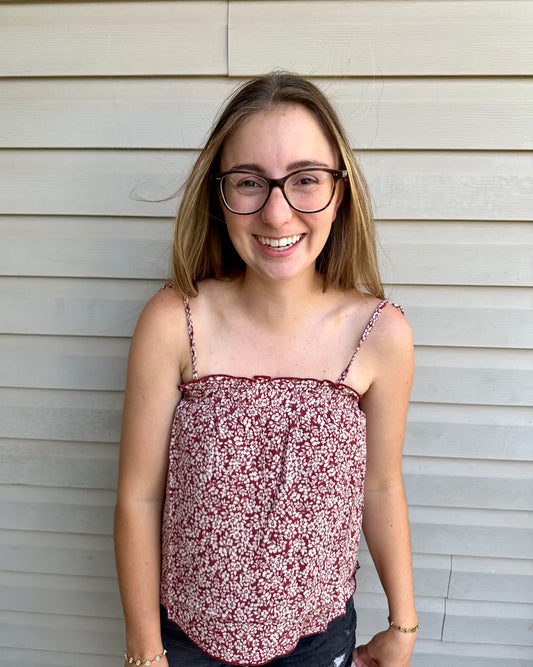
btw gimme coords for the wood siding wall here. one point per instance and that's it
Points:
(103, 104)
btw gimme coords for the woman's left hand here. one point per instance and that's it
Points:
(386, 649)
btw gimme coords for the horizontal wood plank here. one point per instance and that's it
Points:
(81, 416)
(443, 375)
(164, 112)
(62, 362)
(47, 463)
(414, 185)
(472, 654)
(88, 511)
(473, 376)
(75, 634)
(471, 532)
(468, 483)
(73, 307)
(98, 247)
(461, 431)
(469, 431)
(466, 619)
(113, 38)
(449, 186)
(383, 37)
(93, 596)
(160, 112)
(40, 658)
(412, 253)
(118, 183)
(437, 113)
(44, 593)
(446, 483)
(447, 253)
(435, 530)
(495, 579)
(466, 316)
(429, 481)
(439, 315)
(91, 557)
(57, 553)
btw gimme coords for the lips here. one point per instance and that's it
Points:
(281, 243)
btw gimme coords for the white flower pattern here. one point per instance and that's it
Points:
(263, 510)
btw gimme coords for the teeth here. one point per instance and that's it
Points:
(285, 242)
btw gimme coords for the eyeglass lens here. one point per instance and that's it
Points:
(307, 191)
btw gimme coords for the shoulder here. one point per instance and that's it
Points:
(391, 346)
(392, 324)
(384, 318)
(384, 330)
(394, 329)
(390, 340)
(163, 312)
(161, 330)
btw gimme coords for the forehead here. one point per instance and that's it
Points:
(285, 133)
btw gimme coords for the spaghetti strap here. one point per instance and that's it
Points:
(190, 329)
(371, 322)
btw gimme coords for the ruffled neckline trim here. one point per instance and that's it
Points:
(257, 379)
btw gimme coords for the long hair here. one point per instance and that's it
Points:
(201, 245)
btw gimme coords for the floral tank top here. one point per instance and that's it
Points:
(263, 509)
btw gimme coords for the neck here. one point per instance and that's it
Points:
(279, 301)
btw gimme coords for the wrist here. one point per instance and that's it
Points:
(403, 615)
(144, 659)
(403, 641)
(404, 629)
(143, 642)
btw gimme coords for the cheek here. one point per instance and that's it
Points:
(321, 225)
(235, 227)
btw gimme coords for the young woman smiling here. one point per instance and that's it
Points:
(265, 408)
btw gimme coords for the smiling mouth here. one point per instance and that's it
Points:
(280, 244)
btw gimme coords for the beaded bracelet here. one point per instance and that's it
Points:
(392, 624)
(136, 661)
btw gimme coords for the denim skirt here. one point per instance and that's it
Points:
(331, 648)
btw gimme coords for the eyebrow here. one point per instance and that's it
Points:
(293, 166)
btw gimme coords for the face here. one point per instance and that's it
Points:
(277, 242)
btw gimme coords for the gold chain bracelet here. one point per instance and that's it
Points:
(394, 625)
(137, 661)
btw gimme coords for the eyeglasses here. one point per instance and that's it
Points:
(306, 190)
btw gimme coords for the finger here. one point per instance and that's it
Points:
(361, 658)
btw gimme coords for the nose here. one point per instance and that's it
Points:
(276, 212)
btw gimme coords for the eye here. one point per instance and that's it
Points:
(305, 180)
(250, 183)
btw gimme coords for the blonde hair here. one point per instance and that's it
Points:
(201, 245)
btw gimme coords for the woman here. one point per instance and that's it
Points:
(250, 380)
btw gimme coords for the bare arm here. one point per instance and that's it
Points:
(385, 520)
(150, 400)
